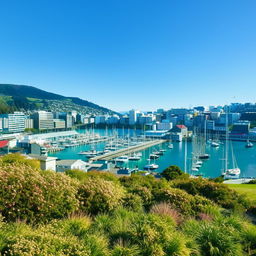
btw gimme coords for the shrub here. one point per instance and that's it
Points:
(18, 159)
(133, 202)
(218, 193)
(174, 172)
(182, 201)
(97, 195)
(214, 239)
(33, 195)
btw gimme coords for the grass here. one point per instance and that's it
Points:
(248, 189)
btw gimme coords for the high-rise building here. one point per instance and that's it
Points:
(133, 116)
(43, 120)
(13, 122)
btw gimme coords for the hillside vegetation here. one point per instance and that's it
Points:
(27, 98)
(99, 214)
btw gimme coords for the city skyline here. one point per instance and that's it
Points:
(123, 55)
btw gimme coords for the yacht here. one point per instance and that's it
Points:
(134, 157)
(215, 144)
(122, 159)
(153, 156)
(151, 167)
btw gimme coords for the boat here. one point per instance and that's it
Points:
(248, 144)
(234, 172)
(215, 144)
(204, 156)
(134, 157)
(153, 156)
(122, 159)
(151, 167)
(194, 169)
(159, 153)
(162, 150)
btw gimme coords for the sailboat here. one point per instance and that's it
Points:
(234, 172)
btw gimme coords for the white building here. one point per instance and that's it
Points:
(13, 122)
(64, 165)
(29, 123)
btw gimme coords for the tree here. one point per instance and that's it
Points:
(173, 172)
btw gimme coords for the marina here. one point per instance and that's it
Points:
(174, 154)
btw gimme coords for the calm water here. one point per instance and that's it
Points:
(246, 157)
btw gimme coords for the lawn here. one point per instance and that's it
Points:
(248, 189)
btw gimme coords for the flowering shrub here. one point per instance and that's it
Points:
(29, 194)
(218, 193)
(97, 195)
(182, 201)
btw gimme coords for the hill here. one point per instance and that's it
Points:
(29, 98)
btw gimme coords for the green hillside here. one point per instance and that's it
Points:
(28, 98)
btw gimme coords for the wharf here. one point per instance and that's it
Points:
(125, 151)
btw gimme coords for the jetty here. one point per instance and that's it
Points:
(125, 151)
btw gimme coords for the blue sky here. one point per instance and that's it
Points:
(140, 54)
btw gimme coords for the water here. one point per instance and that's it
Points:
(246, 157)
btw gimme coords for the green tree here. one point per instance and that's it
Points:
(173, 172)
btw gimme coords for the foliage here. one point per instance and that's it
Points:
(182, 201)
(252, 182)
(218, 193)
(32, 195)
(19, 159)
(47, 213)
(174, 172)
(98, 195)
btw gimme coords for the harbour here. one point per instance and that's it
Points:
(213, 167)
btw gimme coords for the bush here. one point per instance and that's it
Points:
(33, 195)
(218, 193)
(18, 159)
(174, 172)
(214, 239)
(97, 195)
(133, 202)
(182, 201)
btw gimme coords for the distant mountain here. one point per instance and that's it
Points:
(29, 98)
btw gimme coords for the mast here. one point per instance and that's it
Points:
(227, 142)
(185, 157)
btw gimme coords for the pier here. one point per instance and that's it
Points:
(125, 151)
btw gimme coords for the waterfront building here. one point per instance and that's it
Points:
(164, 125)
(69, 119)
(241, 127)
(13, 122)
(29, 123)
(64, 165)
(43, 120)
(180, 129)
(59, 124)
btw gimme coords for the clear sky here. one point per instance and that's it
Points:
(123, 54)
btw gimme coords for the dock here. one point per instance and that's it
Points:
(125, 151)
